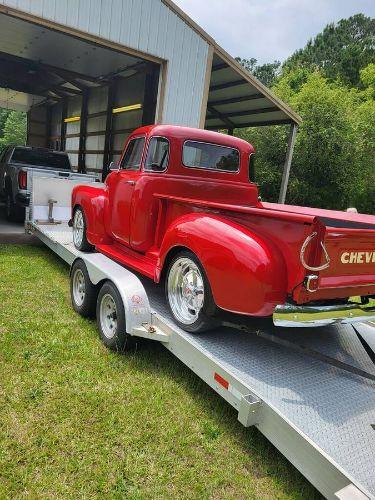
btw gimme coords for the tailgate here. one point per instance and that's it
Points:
(352, 253)
(351, 270)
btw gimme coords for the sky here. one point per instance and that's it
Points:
(269, 29)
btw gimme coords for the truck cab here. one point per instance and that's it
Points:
(170, 161)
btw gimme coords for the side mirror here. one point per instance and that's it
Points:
(113, 166)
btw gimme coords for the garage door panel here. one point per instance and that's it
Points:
(95, 143)
(94, 161)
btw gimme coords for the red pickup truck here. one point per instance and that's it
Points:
(182, 208)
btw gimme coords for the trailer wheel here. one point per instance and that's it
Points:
(79, 231)
(188, 293)
(83, 292)
(110, 316)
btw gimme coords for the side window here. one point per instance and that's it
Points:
(133, 154)
(157, 155)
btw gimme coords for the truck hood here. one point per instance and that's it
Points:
(332, 218)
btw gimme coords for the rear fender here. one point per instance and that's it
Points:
(247, 273)
(93, 200)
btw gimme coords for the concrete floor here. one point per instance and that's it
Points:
(14, 232)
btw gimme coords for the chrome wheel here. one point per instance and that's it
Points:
(79, 287)
(78, 228)
(185, 288)
(108, 316)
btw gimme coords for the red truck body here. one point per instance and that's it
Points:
(257, 256)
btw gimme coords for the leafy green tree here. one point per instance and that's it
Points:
(14, 130)
(364, 143)
(333, 163)
(340, 51)
(367, 76)
(267, 73)
(3, 117)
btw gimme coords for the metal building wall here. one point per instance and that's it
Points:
(145, 25)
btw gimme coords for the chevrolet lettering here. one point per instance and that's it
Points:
(358, 257)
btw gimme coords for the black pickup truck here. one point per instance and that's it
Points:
(15, 162)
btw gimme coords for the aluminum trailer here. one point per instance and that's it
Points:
(311, 392)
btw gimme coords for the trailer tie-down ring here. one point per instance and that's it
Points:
(302, 254)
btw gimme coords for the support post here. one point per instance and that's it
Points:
(82, 133)
(107, 153)
(288, 162)
(206, 90)
(64, 110)
(48, 126)
(150, 95)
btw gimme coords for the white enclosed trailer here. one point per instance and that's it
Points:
(311, 392)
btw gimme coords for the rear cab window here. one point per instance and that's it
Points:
(209, 156)
(40, 158)
(133, 155)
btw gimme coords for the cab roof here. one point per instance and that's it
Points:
(196, 134)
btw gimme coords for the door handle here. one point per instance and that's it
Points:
(132, 183)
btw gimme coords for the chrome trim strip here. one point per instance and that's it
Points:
(290, 315)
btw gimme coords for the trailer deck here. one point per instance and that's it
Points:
(311, 392)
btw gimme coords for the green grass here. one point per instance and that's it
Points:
(78, 421)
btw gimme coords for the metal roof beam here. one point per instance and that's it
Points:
(221, 117)
(270, 109)
(235, 100)
(66, 90)
(254, 124)
(227, 85)
(218, 67)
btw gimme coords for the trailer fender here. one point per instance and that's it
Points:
(247, 273)
(133, 295)
(93, 200)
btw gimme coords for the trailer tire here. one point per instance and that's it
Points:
(79, 231)
(203, 318)
(111, 320)
(83, 292)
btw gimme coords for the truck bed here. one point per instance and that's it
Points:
(330, 216)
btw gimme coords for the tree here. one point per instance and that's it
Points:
(333, 163)
(267, 73)
(340, 51)
(364, 143)
(3, 117)
(14, 130)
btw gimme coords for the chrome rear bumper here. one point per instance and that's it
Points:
(310, 316)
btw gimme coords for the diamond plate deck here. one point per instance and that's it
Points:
(333, 408)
